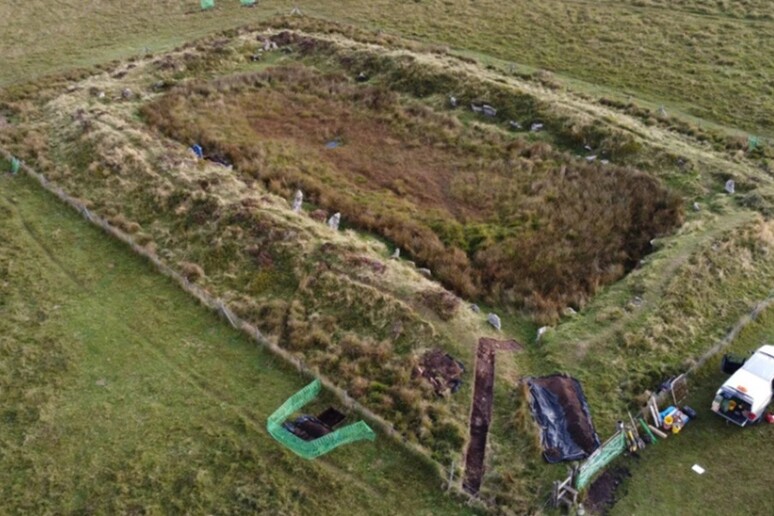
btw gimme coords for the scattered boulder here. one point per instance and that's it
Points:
(395, 254)
(489, 110)
(269, 45)
(334, 221)
(514, 125)
(453, 101)
(494, 320)
(476, 108)
(361, 77)
(126, 94)
(536, 127)
(591, 158)
(541, 331)
(425, 272)
(474, 307)
(569, 312)
(696, 206)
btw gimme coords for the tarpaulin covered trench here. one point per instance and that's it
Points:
(560, 409)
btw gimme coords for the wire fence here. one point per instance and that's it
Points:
(220, 307)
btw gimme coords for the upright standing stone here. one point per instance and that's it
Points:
(334, 221)
(730, 186)
(298, 201)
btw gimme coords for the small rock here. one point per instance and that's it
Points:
(101, 382)
(489, 110)
(541, 331)
(587, 147)
(126, 94)
(604, 161)
(569, 312)
(494, 320)
(475, 308)
(730, 186)
(395, 254)
(476, 108)
(101, 95)
(536, 127)
(452, 101)
(362, 77)
(591, 158)
(513, 124)
(696, 207)
(425, 272)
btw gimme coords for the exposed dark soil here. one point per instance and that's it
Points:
(579, 425)
(481, 415)
(442, 370)
(601, 496)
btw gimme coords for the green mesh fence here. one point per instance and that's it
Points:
(247, 3)
(207, 4)
(15, 165)
(597, 461)
(312, 449)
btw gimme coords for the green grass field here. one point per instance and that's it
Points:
(690, 63)
(121, 395)
(118, 394)
(737, 478)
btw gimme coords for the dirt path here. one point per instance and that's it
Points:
(481, 415)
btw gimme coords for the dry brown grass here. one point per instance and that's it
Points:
(491, 215)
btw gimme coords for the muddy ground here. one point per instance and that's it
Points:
(602, 493)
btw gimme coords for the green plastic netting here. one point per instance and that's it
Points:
(247, 3)
(597, 461)
(15, 165)
(207, 4)
(312, 449)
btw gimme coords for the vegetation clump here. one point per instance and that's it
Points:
(508, 219)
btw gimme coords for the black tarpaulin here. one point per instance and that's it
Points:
(560, 409)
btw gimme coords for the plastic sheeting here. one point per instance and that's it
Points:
(560, 409)
(322, 445)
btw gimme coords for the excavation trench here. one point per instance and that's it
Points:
(481, 414)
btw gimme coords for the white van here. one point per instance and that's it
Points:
(744, 397)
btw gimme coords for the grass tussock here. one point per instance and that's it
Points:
(493, 216)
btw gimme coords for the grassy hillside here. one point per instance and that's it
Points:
(334, 299)
(120, 394)
(690, 62)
